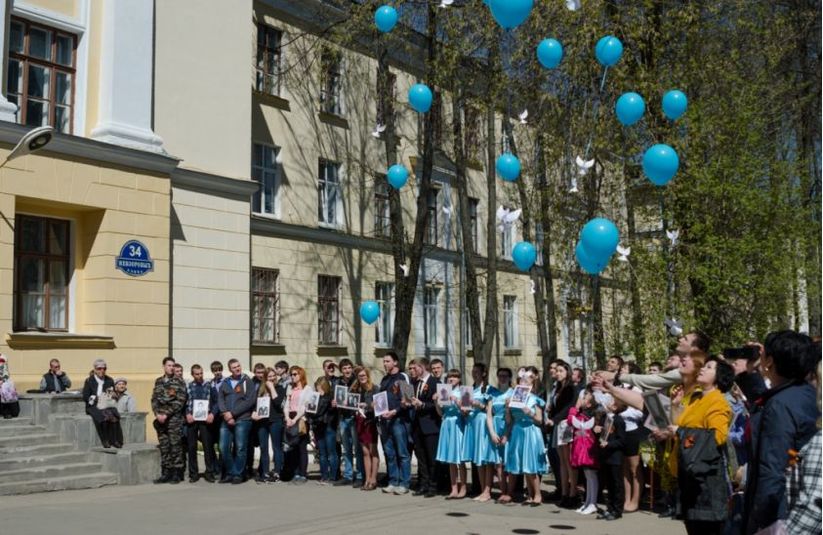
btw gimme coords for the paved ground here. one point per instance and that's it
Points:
(281, 508)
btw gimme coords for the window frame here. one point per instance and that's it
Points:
(431, 316)
(432, 236)
(268, 50)
(257, 305)
(384, 328)
(474, 221)
(382, 208)
(47, 257)
(331, 82)
(324, 188)
(510, 322)
(258, 197)
(324, 316)
(24, 59)
(507, 239)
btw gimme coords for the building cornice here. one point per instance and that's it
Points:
(215, 184)
(80, 147)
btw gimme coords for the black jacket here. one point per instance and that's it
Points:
(565, 400)
(326, 415)
(426, 419)
(612, 454)
(90, 389)
(752, 385)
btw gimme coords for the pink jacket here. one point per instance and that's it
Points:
(584, 444)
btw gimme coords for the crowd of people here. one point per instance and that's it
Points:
(732, 440)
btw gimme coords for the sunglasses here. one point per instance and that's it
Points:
(100, 368)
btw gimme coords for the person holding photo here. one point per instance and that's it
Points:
(366, 426)
(425, 427)
(611, 459)
(477, 445)
(324, 427)
(296, 432)
(199, 430)
(262, 424)
(277, 392)
(395, 427)
(564, 399)
(584, 452)
(450, 442)
(525, 450)
(496, 424)
(352, 454)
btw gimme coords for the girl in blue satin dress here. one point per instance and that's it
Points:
(525, 449)
(477, 446)
(450, 443)
(496, 424)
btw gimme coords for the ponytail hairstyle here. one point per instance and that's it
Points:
(482, 367)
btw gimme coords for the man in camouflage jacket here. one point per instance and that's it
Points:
(168, 400)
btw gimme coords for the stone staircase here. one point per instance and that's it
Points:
(34, 460)
(53, 446)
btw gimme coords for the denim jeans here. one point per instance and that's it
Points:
(263, 432)
(238, 434)
(276, 428)
(351, 450)
(396, 447)
(326, 438)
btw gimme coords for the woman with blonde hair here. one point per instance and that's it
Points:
(296, 436)
(366, 425)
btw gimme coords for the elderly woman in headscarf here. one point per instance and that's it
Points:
(98, 393)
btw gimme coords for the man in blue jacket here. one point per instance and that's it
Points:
(236, 399)
(394, 427)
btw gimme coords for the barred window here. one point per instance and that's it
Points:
(265, 306)
(328, 310)
(268, 59)
(42, 274)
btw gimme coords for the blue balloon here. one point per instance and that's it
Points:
(369, 311)
(510, 13)
(397, 176)
(674, 104)
(599, 238)
(629, 108)
(608, 50)
(385, 18)
(549, 53)
(587, 263)
(524, 255)
(508, 167)
(660, 163)
(420, 98)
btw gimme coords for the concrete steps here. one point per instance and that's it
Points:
(35, 460)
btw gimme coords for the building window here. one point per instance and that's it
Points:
(538, 238)
(467, 328)
(264, 172)
(41, 257)
(331, 82)
(473, 204)
(384, 294)
(382, 210)
(385, 106)
(507, 240)
(268, 60)
(265, 306)
(509, 321)
(431, 304)
(431, 219)
(472, 127)
(329, 194)
(328, 310)
(41, 74)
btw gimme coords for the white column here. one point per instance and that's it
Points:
(126, 75)
(8, 111)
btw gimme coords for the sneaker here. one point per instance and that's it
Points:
(589, 509)
(399, 491)
(237, 481)
(342, 483)
(389, 489)
(298, 480)
(580, 509)
(357, 484)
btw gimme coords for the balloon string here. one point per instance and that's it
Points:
(596, 112)
(508, 63)
(603, 81)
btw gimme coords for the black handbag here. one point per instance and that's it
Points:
(698, 454)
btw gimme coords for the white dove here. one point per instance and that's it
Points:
(624, 253)
(506, 217)
(674, 327)
(573, 189)
(673, 235)
(523, 116)
(445, 3)
(378, 129)
(405, 269)
(532, 287)
(572, 5)
(583, 166)
(447, 210)
(279, 158)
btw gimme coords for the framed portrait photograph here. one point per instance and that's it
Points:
(520, 396)
(263, 406)
(407, 391)
(466, 397)
(341, 392)
(352, 402)
(200, 409)
(444, 394)
(658, 406)
(313, 402)
(381, 403)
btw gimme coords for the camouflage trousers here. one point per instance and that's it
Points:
(172, 455)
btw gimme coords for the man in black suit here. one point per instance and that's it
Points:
(425, 427)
